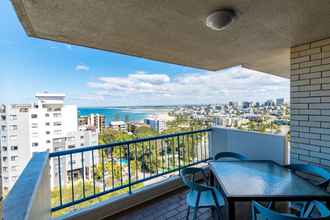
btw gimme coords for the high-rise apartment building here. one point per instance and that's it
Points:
(92, 121)
(25, 129)
(156, 123)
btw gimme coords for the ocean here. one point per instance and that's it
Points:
(133, 113)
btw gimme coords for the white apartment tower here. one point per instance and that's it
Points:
(25, 129)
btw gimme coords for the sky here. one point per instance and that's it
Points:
(91, 77)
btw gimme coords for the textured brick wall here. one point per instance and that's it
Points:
(310, 103)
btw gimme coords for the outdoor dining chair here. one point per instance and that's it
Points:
(200, 195)
(228, 155)
(315, 171)
(316, 210)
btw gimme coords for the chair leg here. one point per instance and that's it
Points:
(195, 213)
(188, 211)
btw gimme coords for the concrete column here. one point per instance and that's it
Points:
(310, 103)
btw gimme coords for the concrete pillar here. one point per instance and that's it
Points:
(310, 103)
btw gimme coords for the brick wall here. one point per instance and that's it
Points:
(310, 103)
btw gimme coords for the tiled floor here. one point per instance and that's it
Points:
(173, 206)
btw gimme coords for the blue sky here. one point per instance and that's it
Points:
(92, 77)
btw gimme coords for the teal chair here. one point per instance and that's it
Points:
(313, 170)
(200, 195)
(316, 210)
(229, 155)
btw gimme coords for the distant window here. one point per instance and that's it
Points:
(47, 115)
(3, 127)
(35, 144)
(13, 117)
(13, 148)
(47, 132)
(81, 137)
(82, 144)
(57, 109)
(48, 141)
(57, 123)
(23, 110)
(3, 138)
(13, 127)
(5, 169)
(57, 115)
(47, 123)
(34, 125)
(4, 148)
(71, 146)
(3, 117)
(4, 158)
(13, 158)
(34, 116)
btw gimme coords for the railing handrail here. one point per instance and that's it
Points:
(96, 147)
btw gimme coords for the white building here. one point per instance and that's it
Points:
(118, 125)
(92, 121)
(156, 123)
(25, 129)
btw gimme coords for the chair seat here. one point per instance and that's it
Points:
(206, 199)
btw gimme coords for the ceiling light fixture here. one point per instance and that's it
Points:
(220, 20)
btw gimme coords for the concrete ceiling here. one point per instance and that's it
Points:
(174, 30)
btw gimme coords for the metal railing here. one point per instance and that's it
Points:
(86, 173)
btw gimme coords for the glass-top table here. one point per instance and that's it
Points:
(262, 181)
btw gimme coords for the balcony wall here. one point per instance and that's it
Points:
(29, 199)
(254, 145)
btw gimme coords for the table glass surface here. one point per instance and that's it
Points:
(261, 178)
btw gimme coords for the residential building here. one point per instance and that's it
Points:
(92, 121)
(29, 128)
(118, 125)
(156, 123)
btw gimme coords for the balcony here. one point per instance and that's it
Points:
(136, 177)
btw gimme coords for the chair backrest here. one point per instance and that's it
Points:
(231, 155)
(313, 170)
(268, 214)
(189, 176)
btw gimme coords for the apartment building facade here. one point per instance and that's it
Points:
(92, 121)
(29, 128)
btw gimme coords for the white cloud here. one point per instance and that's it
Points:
(236, 83)
(82, 67)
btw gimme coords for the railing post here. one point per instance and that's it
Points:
(129, 169)
(179, 158)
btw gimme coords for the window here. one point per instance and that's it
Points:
(81, 137)
(35, 144)
(13, 158)
(13, 117)
(47, 132)
(3, 127)
(71, 146)
(48, 141)
(57, 109)
(5, 169)
(57, 115)
(13, 127)
(3, 138)
(13, 148)
(4, 148)
(47, 123)
(47, 115)
(34, 116)
(23, 110)
(34, 125)
(3, 117)
(13, 137)
(82, 144)
(57, 123)
(4, 158)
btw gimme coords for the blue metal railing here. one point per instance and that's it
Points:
(90, 172)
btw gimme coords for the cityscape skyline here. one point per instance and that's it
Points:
(95, 78)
